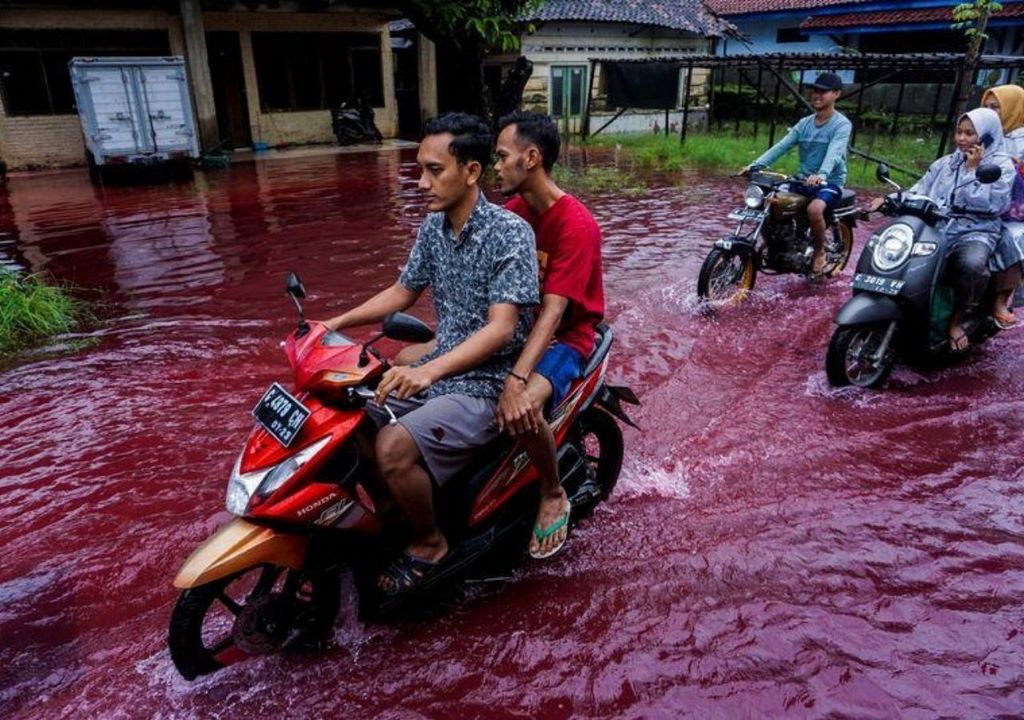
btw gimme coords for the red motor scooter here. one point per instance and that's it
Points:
(304, 500)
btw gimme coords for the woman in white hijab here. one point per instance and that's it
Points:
(974, 228)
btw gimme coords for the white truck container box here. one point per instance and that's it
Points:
(134, 110)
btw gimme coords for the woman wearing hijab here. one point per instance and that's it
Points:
(974, 227)
(1008, 101)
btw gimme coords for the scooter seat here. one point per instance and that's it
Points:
(847, 200)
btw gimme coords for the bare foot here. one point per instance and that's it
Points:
(958, 341)
(551, 511)
(818, 264)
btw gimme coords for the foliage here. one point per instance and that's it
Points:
(31, 310)
(726, 152)
(490, 25)
(971, 17)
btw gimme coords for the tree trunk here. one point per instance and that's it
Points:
(970, 74)
(510, 98)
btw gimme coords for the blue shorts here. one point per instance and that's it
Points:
(828, 193)
(560, 365)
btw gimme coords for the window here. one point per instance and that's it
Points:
(34, 64)
(790, 35)
(316, 71)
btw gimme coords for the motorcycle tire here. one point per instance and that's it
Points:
(857, 340)
(599, 440)
(193, 657)
(726, 277)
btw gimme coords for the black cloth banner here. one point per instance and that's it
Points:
(643, 85)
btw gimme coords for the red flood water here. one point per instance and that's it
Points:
(775, 548)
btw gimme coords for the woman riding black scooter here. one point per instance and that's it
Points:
(921, 282)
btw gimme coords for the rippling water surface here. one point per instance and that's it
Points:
(774, 548)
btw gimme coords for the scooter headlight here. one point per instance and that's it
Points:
(242, 487)
(753, 198)
(893, 247)
(280, 474)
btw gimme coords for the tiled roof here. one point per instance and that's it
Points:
(687, 15)
(730, 8)
(898, 17)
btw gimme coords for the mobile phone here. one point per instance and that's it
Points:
(986, 140)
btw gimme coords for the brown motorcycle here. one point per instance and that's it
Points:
(773, 236)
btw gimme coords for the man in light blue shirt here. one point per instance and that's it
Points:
(822, 140)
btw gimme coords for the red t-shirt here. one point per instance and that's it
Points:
(569, 258)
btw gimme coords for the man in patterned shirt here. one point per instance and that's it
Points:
(479, 261)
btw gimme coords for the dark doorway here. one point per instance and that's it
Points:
(229, 89)
(407, 86)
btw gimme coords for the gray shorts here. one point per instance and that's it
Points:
(448, 430)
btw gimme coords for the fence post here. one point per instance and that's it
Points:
(757, 101)
(686, 102)
(949, 112)
(739, 101)
(896, 113)
(775, 105)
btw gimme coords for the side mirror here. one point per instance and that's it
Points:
(294, 286)
(988, 174)
(406, 328)
(882, 172)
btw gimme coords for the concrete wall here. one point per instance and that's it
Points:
(577, 43)
(56, 140)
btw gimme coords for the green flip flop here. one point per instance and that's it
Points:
(542, 533)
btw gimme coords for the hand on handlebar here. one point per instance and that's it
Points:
(814, 180)
(403, 382)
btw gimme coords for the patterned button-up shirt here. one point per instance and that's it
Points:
(492, 261)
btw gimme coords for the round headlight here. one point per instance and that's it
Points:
(893, 247)
(753, 197)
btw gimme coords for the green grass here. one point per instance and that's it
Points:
(724, 151)
(32, 311)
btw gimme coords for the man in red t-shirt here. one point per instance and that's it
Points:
(572, 304)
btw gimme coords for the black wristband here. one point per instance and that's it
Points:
(518, 377)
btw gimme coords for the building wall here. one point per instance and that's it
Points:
(577, 43)
(28, 142)
(762, 32)
(56, 140)
(308, 126)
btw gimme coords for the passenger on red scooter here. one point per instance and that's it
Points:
(821, 140)
(480, 262)
(572, 304)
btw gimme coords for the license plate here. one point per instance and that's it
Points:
(886, 286)
(746, 214)
(280, 414)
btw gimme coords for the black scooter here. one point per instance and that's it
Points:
(902, 301)
(353, 123)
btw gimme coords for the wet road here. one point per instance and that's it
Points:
(774, 548)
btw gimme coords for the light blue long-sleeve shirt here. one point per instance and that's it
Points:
(822, 147)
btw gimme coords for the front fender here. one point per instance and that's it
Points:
(868, 308)
(238, 545)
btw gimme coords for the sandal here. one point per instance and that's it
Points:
(543, 533)
(1004, 320)
(405, 574)
(959, 343)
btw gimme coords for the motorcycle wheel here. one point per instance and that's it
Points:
(839, 249)
(225, 621)
(598, 439)
(848, 360)
(726, 277)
